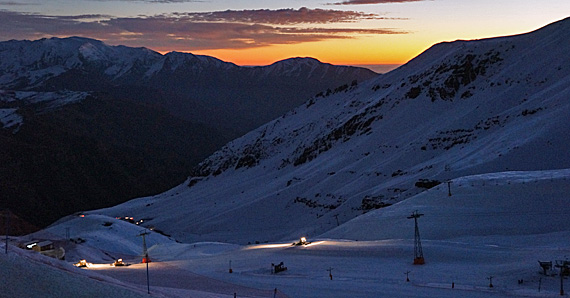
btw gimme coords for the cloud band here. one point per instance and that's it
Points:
(195, 31)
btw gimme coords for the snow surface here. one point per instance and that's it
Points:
(496, 224)
(43, 102)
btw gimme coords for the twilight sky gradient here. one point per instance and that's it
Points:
(353, 32)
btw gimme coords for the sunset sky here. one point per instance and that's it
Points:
(349, 32)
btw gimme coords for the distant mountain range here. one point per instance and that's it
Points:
(88, 125)
(460, 108)
(200, 89)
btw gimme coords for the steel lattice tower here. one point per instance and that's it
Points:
(418, 252)
(145, 259)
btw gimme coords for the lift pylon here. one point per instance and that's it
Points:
(145, 259)
(418, 252)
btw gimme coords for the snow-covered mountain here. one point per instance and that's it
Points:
(32, 64)
(196, 88)
(29, 64)
(80, 119)
(460, 108)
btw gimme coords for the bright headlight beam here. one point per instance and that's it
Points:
(314, 243)
(269, 246)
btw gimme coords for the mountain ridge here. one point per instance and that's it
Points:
(192, 87)
(56, 86)
(458, 109)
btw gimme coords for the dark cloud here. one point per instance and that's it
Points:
(192, 31)
(344, 31)
(357, 2)
(282, 16)
(12, 3)
(14, 25)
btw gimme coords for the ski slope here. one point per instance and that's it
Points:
(496, 224)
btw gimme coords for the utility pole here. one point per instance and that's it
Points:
(330, 272)
(7, 228)
(145, 258)
(490, 278)
(145, 252)
(449, 188)
(563, 265)
(561, 283)
(337, 223)
(418, 252)
(407, 277)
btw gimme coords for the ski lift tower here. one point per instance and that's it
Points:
(145, 259)
(418, 253)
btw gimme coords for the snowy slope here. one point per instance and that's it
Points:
(498, 207)
(44, 101)
(29, 274)
(495, 224)
(460, 108)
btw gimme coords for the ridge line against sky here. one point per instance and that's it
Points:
(351, 32)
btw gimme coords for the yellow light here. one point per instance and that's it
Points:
(82, 263)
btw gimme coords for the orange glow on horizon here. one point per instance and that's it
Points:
(338, 52)
(390, 49)
(269, 55)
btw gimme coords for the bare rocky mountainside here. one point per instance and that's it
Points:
(87, 125)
